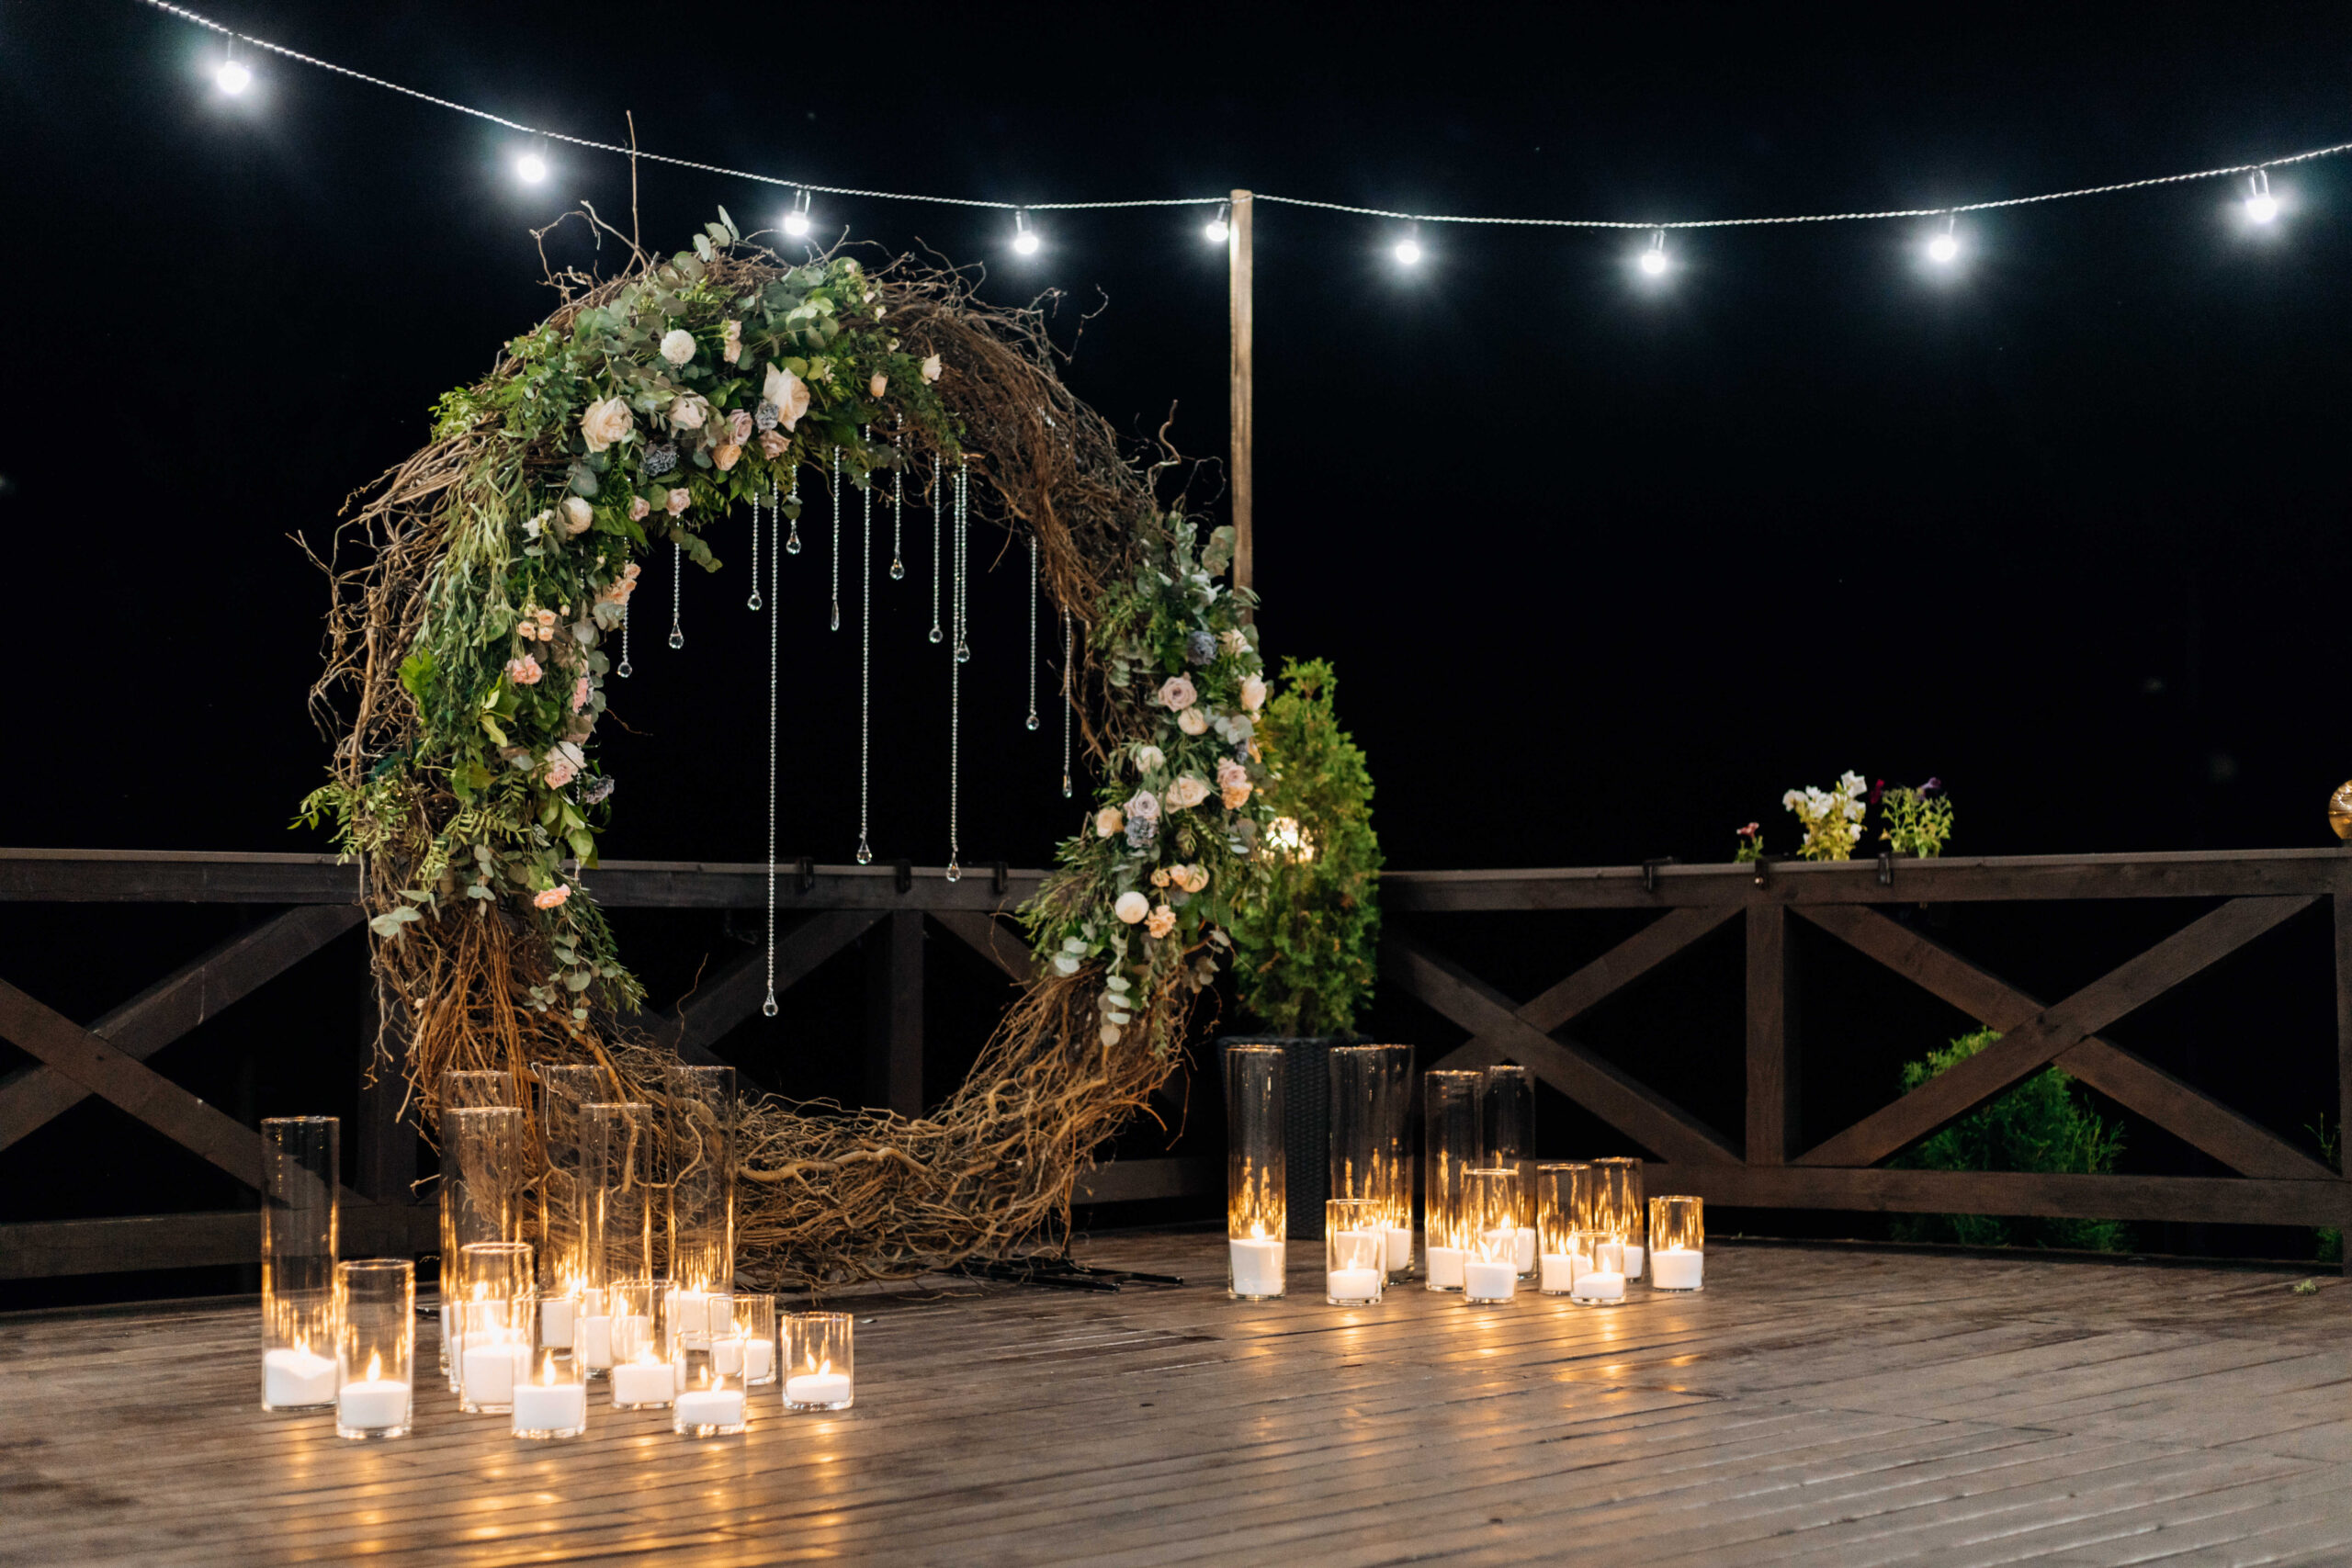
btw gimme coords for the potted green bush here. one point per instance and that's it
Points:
(1305, 953)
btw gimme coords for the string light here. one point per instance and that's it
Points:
(1944, 249)
(796, 222)
(1220, 228)
(234, 76)
(1655, 261)
(1409, 249)
(530, 168)
(2261, 206)
(1024, 238)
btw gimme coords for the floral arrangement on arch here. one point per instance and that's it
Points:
(1148, 889)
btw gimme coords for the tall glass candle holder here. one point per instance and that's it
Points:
(374, 1347)
(707, 1360)
(482, 1182)
(1618, 1206)
(1370, 1090)
(497, 1323)
(641, 1377)
(754, 1328)
(1450, 1112)
(1355, 1251)
(616, 1239)
(461, 1090)
(1490, 1249)
(819, 1361)
(564, 1092)
(299, 1173)
(700, 1145)
(1678, 1242)
(1509, 1139)
(1256, 1210)
(551, 1401)
(1394, 1112)
(1603, 1283)
(1563, 1200)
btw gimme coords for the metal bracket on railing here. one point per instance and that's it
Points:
(1763, 869)
(1649, 872)
(806, 877)
(1886, 868)
(903, 873)
(1001, 883)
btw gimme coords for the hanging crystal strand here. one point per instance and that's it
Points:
(1069, 706)
(954, 769)
(898, 506)
(837, 538)
(792, 545)
(865, 666)
(677, 580)
(752, 604)
(938, 483)
(961, 610)
(626, 669)
(775, 600)
(1033, 629)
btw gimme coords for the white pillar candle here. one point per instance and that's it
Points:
(593, 1332)
(489, 1372)
(727, 1357)
(689, 1309)
(1561, 1270)
(1677, 1269)
(1352, 1284)
(291, 1376)
(1523, 1250)
(816, 1388)
(551, 1407)
(759, 1359)
(1257, 1268)
(556, 1315)
(1488, 1281)
(642, 1382)
(372, 1403)
(1400, 1248)
(1598, 1286)
(1444, 1267)
(709, 1407)
(1632, 1262)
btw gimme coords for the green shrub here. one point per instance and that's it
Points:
(2039, 1125)
(1307, 952)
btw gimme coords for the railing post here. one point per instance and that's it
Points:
(1772, 1044)
(2343, 913)
(894, 1013)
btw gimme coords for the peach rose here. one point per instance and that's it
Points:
(1193, 721)
(1253, 691)
(581, 691)
(1192, 878)
(1160, 877)
(550, 899)
(932, 369)
(1233, 784)
(606, 423)
(731, 346)
(1132, 907)
(679, 501)
(774, 443)
(726, 456)
(688, 414)
(1187, 791)
(524, 671)
(1108, 822)
(637, 509)
(564, 763)
(788, 393)
(878, 384)
(1162, 921)
(1176, 692)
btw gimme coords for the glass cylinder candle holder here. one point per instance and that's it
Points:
(819, 1363)
(1562, 1197)
(564, 1092)
(1507, 1127)
(1394, 1111)
(1618, 1206)
(616, 1239)
(460, 1090)
(707, 1363)
(1256, 1205)
(482, 1182)
(756, 1330)
(1371, 1089)
(1678, 1242)
(374, 1347)
(298, 1183)
(1450, 1108)
(1355, 1251)
(1490, 1243)
(497, 1324)
(551, 1399)
(640, 1374)
(699, 1143)
(1603, 1282)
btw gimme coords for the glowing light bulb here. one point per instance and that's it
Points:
(1025, 239)
(1654, 261)
(1408, 252)
(2262, 206)
(530, 168)
(233, 76)
(796, 223)
(1943, 248)
(1218, 230)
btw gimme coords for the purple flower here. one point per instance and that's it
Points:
(1931, 787)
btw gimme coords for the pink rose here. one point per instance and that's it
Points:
(739, 427)
(726, 456)
(524, 671)
(774, 443)
(1176, 692)
(679, 501)
(564, 763)
(638, 507)
(550, 899)
(1162, 921)
(581, 690)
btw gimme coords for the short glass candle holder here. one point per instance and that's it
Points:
(1562, 1188)
(1490, 1254)
(592, 1331)
(819, 1362)
(1355, 1251)
(1563, 1263)
(374, 1347)
(1677, 1238)
(297, 1246)
(1256, 1201)
(1618, 1207)
(1603, 1283)
(550, 1396)
(641, 1377)
(707, 1364)
(497, 1324)
(754, 1332)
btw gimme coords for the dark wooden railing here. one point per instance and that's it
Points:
(1764, 1166)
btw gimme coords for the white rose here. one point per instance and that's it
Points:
(1187, 791)
(1149, 759)
(688, 413)
(678, 345)
(577, 515)
(788, 393)
(1253, 693)
(932, 369)
(878, 384)
(1132, 907)
(1193, 721)
(606, 423)
(532, 529)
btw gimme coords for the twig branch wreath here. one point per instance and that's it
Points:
(466, 669)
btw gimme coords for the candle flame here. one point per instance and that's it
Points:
(375, 1366)
(547, 1368)
(646, 1357)
(826, 1368)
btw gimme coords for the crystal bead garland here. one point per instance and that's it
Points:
(677, 582)
(752, 604)
(1069, 706)
(938, 483)
(1033, 631)
(864, 664)
(837, 538)
(626, 669)
(792, 544)
(899, 506)
(962, 547)
(776, 599)
(956, 691)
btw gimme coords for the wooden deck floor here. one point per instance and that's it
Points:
(1809, 1407)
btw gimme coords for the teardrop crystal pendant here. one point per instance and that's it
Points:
(864, 855)
(768, 1006)
(1032, 721)
(792, 544)
(897, 570)
(963, 653)
(837, 617)
(936, 634)
(626, 669)
(754, 602)
(954, 872)
(677, 637)
(1065, 786)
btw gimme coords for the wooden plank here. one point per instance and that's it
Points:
(1620, 965)
(48, 1249)
(2342, 905)
(1134, 1180)
(176, 1004)
(2218, 1200)
(2054, 1029)
(1634, 1108)
(1241, 228)
(1772, 1071)
(2244, 1145)
(716, 1006)
(991, 939)
(701, 885)
(894, 1013)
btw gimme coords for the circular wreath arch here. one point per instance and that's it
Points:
(466, 670)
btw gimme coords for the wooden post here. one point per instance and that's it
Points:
(1771, 1047)
(1244, 348)
(2343, 911)
(894, 1013)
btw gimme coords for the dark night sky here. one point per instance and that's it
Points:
(1604, 573)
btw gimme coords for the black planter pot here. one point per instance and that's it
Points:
(1307, 1122)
